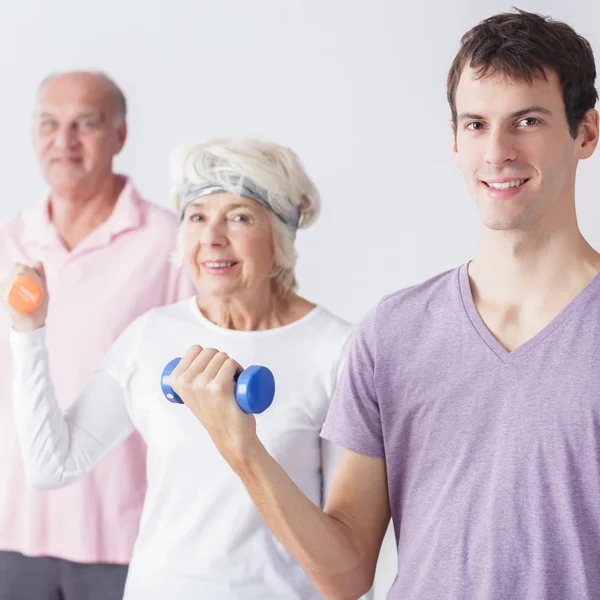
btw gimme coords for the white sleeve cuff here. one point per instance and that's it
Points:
(22, 341)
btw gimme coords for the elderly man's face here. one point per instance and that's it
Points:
(75, 134)
(228, 245)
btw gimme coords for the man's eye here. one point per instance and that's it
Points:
(48, 124)
(529, 121)
(195, 218)
(475, 126)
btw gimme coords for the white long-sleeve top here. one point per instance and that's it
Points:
(200, 535)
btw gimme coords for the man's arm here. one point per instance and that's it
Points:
(338, 547)
(330, 458)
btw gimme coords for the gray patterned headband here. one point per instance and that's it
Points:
(243, 187)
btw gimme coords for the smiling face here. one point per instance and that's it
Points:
(228, 245)
(75, 135)
(514, 147)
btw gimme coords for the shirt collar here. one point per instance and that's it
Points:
(128, 213)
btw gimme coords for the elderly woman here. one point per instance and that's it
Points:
(240, 203)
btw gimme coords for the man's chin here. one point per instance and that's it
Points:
(65, 181)
(506, 222)
(507, 216)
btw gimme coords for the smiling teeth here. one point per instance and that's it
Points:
(507, 184)
(219, 265)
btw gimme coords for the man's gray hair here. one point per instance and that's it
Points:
(118, 97)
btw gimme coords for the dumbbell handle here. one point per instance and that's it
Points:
(254, 390)
(25, 294)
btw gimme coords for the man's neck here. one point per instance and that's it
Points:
(516, 266)
(75, 215)
(521, 281)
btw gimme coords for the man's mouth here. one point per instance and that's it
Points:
(504, 185)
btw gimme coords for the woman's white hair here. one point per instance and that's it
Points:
(274, 168)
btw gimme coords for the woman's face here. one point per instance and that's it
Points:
(227, 244)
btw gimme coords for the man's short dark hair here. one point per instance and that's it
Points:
(524, 46)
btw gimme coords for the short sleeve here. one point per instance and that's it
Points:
(354, 419)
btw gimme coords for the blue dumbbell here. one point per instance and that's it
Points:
(254, 390)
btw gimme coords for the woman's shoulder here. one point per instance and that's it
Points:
(335, 324)
(180, 310)
(169, 317)
(321, 323)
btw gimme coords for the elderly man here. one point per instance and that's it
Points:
(106, 252)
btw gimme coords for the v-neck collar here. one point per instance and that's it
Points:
(501, 352)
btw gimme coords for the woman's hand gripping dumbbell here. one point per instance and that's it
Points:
(254, 387)
(25, 296)
(207, 381)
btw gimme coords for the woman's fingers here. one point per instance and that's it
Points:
(38, 267)
(184, 364)
(229, 368)
(206, 385)
(197, 365)
(201, 365)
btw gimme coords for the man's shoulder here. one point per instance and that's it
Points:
(158, 215)
(157, 226)
(15, 221)
(437, 289)
(12, 227)
(412, 307)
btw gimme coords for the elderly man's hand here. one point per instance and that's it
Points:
(26, 321)
(204, 380)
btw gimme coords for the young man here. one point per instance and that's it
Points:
(470, 404)
(106, 253)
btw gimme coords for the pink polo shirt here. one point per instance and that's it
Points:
(118, 272)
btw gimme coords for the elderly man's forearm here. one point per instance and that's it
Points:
(326, 547)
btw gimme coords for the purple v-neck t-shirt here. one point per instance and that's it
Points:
(493, 457)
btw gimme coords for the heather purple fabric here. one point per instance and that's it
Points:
(493, 457)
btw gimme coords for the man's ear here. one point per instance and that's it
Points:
(454, 143)
(588, 131)
(121, 135)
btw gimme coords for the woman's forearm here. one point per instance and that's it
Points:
(58, 447)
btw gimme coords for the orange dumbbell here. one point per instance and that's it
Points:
(25, 294)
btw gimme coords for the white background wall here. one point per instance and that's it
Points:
(357, 88)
